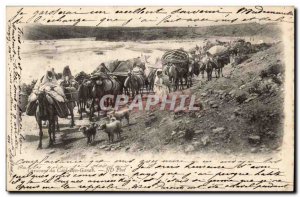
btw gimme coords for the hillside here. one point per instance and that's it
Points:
(241, 112)
(43, 32)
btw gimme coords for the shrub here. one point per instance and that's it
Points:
(241, 97)
(189, 134)
(275, 69)
(265, 120)
(263, 74)
(272, 70)
(255, 88)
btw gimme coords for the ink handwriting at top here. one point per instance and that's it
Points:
(19, 13)
(260, 10)
(200, 11)
(141, 11)
(151, 16)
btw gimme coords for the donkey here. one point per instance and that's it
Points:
(84, 94)
(71, 95)
(149, 82)
(135, 83)
(209, 66)
(219, 63)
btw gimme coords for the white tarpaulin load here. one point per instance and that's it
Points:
(50, 85)
(54, 94)
(217, 50)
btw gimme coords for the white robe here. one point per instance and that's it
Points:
(160, 88)
(51, 86)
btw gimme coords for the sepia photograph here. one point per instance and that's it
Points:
(150, 98)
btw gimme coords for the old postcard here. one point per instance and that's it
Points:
(185, 99)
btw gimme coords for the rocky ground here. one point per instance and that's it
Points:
(241, 112)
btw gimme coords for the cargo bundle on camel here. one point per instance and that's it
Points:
(176, 66)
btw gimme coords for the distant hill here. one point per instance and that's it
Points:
(46, 32)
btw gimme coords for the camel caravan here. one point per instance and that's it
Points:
(57, 94)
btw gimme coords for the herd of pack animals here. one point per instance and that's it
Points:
(127, 77)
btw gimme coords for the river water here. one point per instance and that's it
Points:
(86, 54)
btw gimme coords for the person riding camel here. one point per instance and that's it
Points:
(102, 68)
(101, 72)
(67, 77)
(138, 71)
(47, 83)
(198, 51)
(207, 57)
(68, 83)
